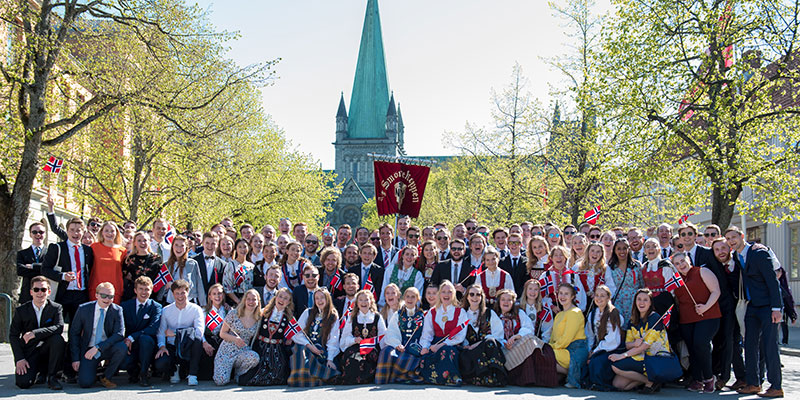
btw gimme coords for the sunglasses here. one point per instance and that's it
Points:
(710, 234)
(310, 275)
(441, 238)
(312, 241)
(594, 236)
(486, 234)
(473, 294)
(413, 236)
(471, 228)
(327, 234)
(105, 296)
(456, 249)
(554, 235)
(684, 234)
(93, 224)
(536, 233)
(37, 232)
(568, 233)
(374, 239)
(515, 242)
(42, 289)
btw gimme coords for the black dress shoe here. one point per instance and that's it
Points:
(144, 381)
(72, 379)
(54, 384)
(41, 378)
(133, 378)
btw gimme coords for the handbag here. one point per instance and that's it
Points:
(741, 305)
(663, 367)
(184, 340)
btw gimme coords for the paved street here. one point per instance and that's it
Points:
(207, 390)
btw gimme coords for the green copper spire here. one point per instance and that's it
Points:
(370, 98)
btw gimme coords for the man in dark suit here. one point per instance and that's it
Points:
(701, 256)
(369, 270)
(142, 319)
(455, 270)
(29, 261)
(211, 267)
(514, 259)
(35, 337)
(303, 295)
(350, 286)
(95, 335)
(69, 263)
(442, 238)
(763, 313)
(386, 252)
(270, 289)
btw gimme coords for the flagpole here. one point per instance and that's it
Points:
(659, 320)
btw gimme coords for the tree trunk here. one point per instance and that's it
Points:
(723, 203)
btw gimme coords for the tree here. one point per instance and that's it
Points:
(705, 94)
(59, 82)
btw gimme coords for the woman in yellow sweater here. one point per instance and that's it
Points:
(568, 338)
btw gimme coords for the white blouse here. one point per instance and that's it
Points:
(332, 345)
(613, 334)
(393, 336)
(495, 325)
(533, 315)
(427, 327)
(347, 339)
(493, 279)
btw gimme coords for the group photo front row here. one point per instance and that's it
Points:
(539, 305)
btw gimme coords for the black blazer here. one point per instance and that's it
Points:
(375, 272)
(300, 299)
(24, 320)
(144, 323)
(443, 271)
(81, 329)
(703, 256)
(727, 300)
(51, 263)
(506, 265)
(339, 304)
(379, 258)
(760, 281)
(60, 233)
(205, 280)
(25, 257)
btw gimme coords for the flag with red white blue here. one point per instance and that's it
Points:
(592, 215)
(546, 315)
(53, 165)
(345, 315)
(458, 329)
(684, 218)
(170, 236)
(213, 320)
(292, 329)
(674, 283)
(667, 316)
(369, 286)
(239, 275)
(367, 345)
(164, 278)
(547, 285)
(336, 281)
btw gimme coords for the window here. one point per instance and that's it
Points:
(794, 252)
(757, 234)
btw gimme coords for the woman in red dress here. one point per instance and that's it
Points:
(108, 255)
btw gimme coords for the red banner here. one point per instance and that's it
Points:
(399, 187)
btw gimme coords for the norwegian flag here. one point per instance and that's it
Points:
(164, 278)
(213, 320)
(674, 283)
(238, 275)
(592, 215)
(546, 315)
(684, 218)
(547, 285)
(369, 286)
(345, 315)
(170, 236)
(336, 281)
(421, 320)
(367, 345)
(458, 329)
(53, 165)
(476, 271)
(292, 329)
(667, 316)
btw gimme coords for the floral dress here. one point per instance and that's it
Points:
(270, 344)
(484, 364)
(405, 328)
(136, 266)
(623, 285)
(442, 326)
(231, 357)
(232, 282)
(360, 368)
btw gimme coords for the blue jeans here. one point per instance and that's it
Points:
(578, 354)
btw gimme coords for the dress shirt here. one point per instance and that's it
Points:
(493, 279)
(73, 285)
(364, 273)
(455, 271)
(38, 311)
(613, 334)
(174, 318)
(103, 337)
(533, 315)
(269, 294)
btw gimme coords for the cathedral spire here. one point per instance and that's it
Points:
(342, 109)
(370, 97)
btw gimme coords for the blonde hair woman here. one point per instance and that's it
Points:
(442, 330)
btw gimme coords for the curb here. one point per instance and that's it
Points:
(788, 351)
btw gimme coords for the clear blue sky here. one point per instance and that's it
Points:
(443, 58)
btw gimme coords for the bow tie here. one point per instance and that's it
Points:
(209, 257)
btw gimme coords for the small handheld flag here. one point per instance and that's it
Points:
(213, 320)
(336, 281)
(164, 278)
(368, 285)
(458, 329)
(292, 329)
(674, 283)
(667, 316)
(367, 345)
(547, 285)
(170, 236)
(684, 218)
(53, 165)
(345, 315)
(546, 315)
(592, 215)
(238, 275)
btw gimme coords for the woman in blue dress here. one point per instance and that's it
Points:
(314, 350)
(442, 331)
(623, 277)
(400, 355)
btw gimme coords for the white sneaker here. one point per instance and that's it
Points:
(175, 378)
(192, 380)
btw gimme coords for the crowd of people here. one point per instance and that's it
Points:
(529, 305)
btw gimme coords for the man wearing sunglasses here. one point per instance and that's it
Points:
(303, 295)
(442, 238)
(310, 249)
(96, 334)
(35, 337)
(710, 233)
(701, 256)
(29, 260)
(455, 270)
